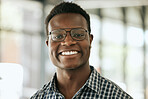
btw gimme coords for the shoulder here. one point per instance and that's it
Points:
(105, 87)
(110, 89)
(41, 92)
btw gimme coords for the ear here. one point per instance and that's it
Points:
(91, 38)
(46, 42)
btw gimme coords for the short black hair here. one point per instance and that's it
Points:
(67, 7)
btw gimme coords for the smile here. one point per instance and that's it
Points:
(69, 52)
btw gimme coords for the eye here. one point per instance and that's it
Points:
(59, 36)
(78, 35)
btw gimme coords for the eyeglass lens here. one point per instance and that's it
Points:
(76, 34)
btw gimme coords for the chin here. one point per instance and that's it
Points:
(70, 67)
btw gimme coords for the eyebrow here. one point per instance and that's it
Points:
(70, 28)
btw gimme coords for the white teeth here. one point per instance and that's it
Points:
(69, 53)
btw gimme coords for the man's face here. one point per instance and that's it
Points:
(69, 54)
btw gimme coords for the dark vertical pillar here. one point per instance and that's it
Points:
(0, 28)
(42, 66)
(125, 43)
(143, 16)
(101, 40)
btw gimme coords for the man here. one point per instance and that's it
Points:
(69, 42)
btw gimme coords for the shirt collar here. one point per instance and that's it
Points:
(52, 84)
(93, 81)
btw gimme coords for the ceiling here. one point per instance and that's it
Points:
(91, 4)
(88, 4)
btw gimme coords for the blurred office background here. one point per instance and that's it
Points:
(119, 51)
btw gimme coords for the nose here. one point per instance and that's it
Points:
(68, 41)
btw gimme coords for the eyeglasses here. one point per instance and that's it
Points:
(77, 34)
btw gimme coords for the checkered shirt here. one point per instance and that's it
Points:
(96, 87)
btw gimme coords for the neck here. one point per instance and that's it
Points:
(70, 81)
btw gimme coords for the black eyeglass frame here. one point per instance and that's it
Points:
(86, 31)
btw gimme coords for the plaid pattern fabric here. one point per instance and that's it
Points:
(96, 87)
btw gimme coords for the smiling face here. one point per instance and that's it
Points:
(69, 54)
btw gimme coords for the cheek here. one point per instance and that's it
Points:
(86, 47)
(52, 55)
(53, 47)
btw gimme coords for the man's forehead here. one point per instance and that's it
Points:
(67, 19)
